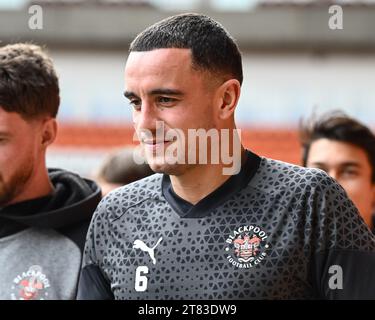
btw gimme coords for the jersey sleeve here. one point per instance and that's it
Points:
(342, 247)
(93, 283)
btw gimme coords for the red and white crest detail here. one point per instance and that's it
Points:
(30, 285)
(246, 246)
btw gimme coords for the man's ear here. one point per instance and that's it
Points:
(228, 94)
(49, 131)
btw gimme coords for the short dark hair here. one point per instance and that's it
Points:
(337, 126)
(213, 49)
(28, 82)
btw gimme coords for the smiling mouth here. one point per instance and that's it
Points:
(158, 142)
(156, 146)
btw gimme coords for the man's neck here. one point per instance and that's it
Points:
(200, 181)
(36, 187)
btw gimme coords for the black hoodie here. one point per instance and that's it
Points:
(42, 240)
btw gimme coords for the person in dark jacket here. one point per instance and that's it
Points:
(44, 213)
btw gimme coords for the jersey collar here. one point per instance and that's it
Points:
(234, 184)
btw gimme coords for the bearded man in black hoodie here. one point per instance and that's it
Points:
(44, 213)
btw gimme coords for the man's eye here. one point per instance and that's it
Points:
(350, 172)
(136, 104)
(3, 140)
(166, 101)
(321, 168)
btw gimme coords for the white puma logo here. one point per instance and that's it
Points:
(139, 244)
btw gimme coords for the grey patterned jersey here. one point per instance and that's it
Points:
(274, 231)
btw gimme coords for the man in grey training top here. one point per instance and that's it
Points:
(205, 227)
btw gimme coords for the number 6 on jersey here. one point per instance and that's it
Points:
(140, 279)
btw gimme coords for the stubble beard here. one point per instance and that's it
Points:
(12, 188)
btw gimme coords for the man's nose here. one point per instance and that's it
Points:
(147, 117)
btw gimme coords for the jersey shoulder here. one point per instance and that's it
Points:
(119, 200)
(274, 177)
